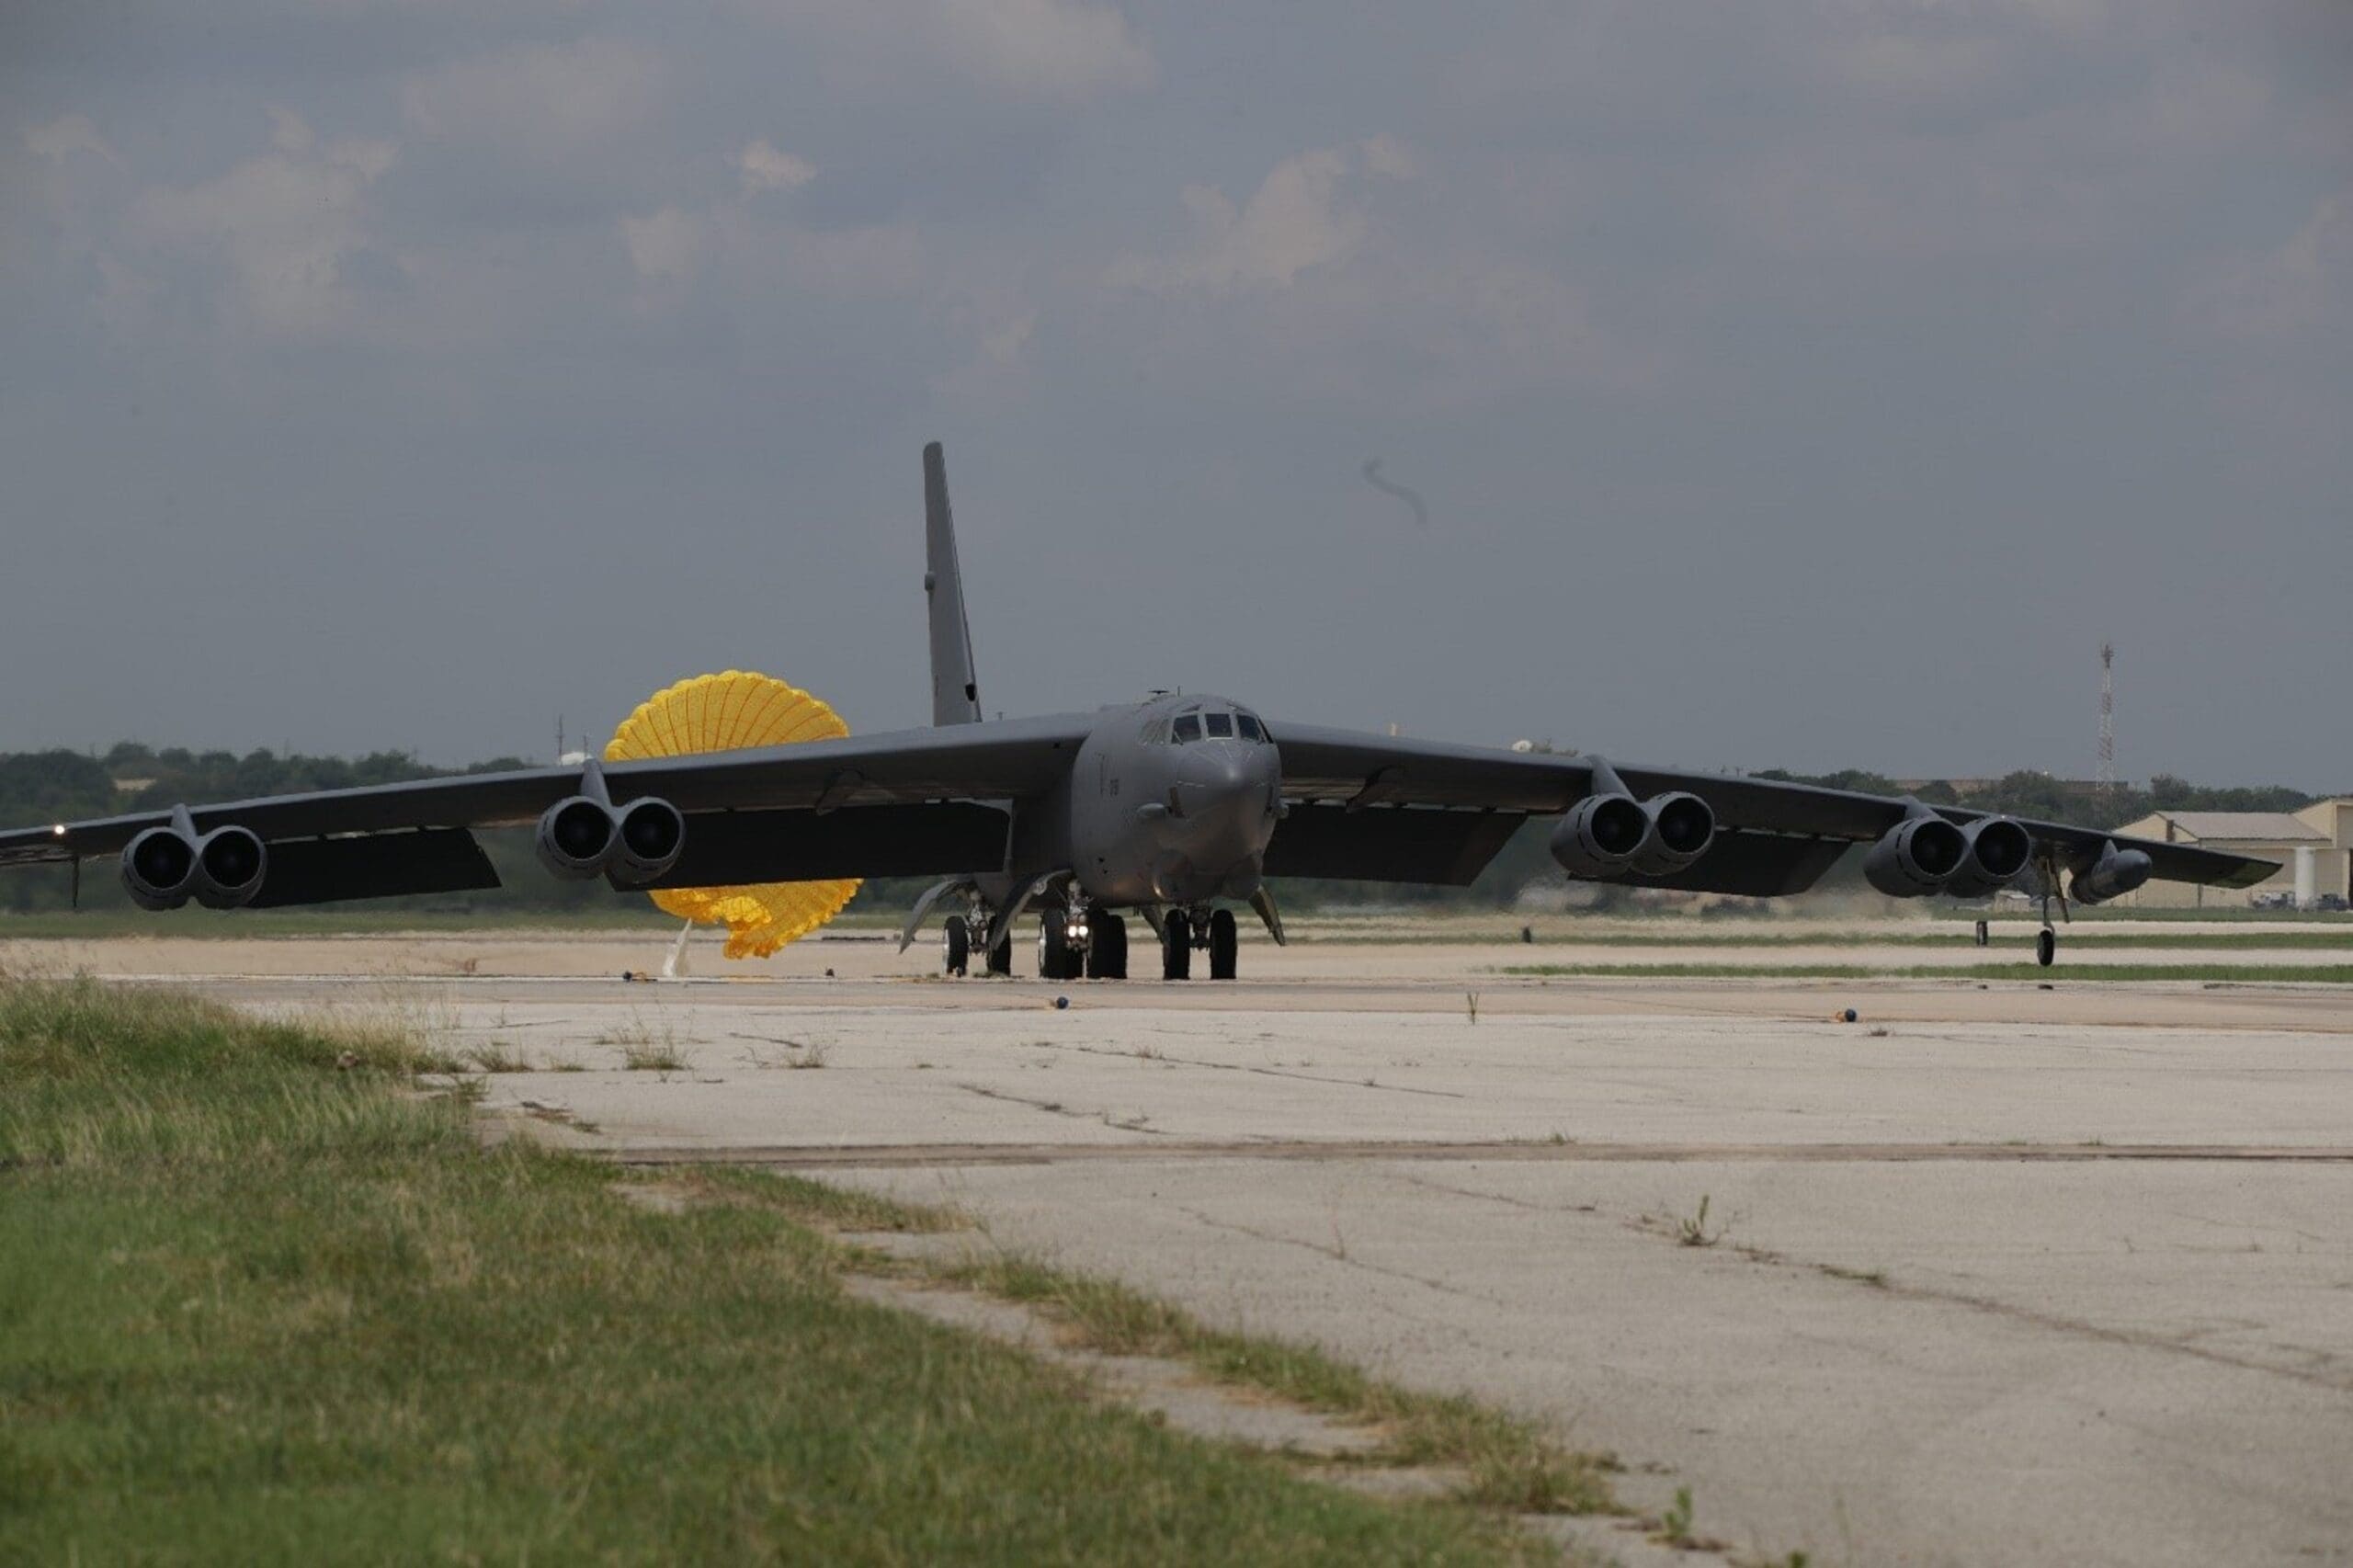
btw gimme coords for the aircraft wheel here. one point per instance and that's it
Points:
(2046, 947)
(1054, 952)
(1225, 944)
(1107, 947)
(1001, 956)
(1175, 946)
(957, 941)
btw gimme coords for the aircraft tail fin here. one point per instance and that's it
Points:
(955, 690)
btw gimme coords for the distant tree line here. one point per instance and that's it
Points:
(62, 786)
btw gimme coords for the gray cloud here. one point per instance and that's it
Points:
(1808, 384)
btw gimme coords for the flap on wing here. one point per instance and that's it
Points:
(384, 865)
(1749, 865)
(734, 848)
(1389, 844)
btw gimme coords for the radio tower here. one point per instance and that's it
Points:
(2106, 719)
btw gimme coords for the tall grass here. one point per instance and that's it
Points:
(264, 1299)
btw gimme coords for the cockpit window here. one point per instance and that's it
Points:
(1189, 726)
(1221, 724)
(1246, 726)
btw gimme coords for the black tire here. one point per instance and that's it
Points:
(1107, 945)
(1054, 953)
(1225, 944)
(1001, 956)
(958, 941)
(2046, 947)
(1175, 946)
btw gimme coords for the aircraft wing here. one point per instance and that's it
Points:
(1774, 838)
(910, 796)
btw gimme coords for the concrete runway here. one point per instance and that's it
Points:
(1994, 1275)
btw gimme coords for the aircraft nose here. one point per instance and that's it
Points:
(1228, 786)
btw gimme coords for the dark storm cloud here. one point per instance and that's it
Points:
(1810, 384)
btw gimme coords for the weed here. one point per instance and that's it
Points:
(495, 1059)
(1470, 1000)
(1675, 1524)
(652, 1059)
(813, 1057)
(1693, 1231)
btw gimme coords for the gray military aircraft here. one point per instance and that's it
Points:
(1165, 807)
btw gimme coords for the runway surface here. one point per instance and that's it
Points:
(1995, 1274)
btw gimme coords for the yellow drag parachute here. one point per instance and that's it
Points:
(728, 712)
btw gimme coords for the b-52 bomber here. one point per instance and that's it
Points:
(1177, 808)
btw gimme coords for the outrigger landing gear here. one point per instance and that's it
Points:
(2046, 946)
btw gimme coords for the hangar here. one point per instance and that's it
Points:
(2314, 847)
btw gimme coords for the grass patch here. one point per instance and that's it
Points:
(2220, 974)
(254, 1306)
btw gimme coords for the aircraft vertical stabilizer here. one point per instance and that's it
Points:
(955, 691)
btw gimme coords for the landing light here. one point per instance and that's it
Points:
(59, 830)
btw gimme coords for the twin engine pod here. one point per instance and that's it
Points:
(166, 866)
(633, 844)
(1924, 855)
(1615, 834)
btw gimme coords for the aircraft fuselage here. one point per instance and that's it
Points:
(1169, 801)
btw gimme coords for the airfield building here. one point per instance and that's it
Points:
(2314, 847)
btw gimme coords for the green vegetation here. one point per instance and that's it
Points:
(261, 1299)
(2240, 974)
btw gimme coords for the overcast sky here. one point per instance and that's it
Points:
(1797, 383)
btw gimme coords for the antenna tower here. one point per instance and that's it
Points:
(2106, 718)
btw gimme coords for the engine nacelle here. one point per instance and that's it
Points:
(1681, 828)
(576, 838)
(164, 868)
(2114, 874)
(1916, 857)
(160, 870)
(1600, 834)
(581, 837)
(230, 864)
(647, 841)
(1999, 849)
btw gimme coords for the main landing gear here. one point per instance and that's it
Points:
(1213, 930)
(960, 935)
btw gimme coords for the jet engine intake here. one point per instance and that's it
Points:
(230, 863)
(2114, 874)
(576, 838)
(1917, 856)
(159, 869)
(581, 837)
(1999, 849)
(1600, 834)
(164, 868)
(1615, 834)
(646, 842)
(1681, 828)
